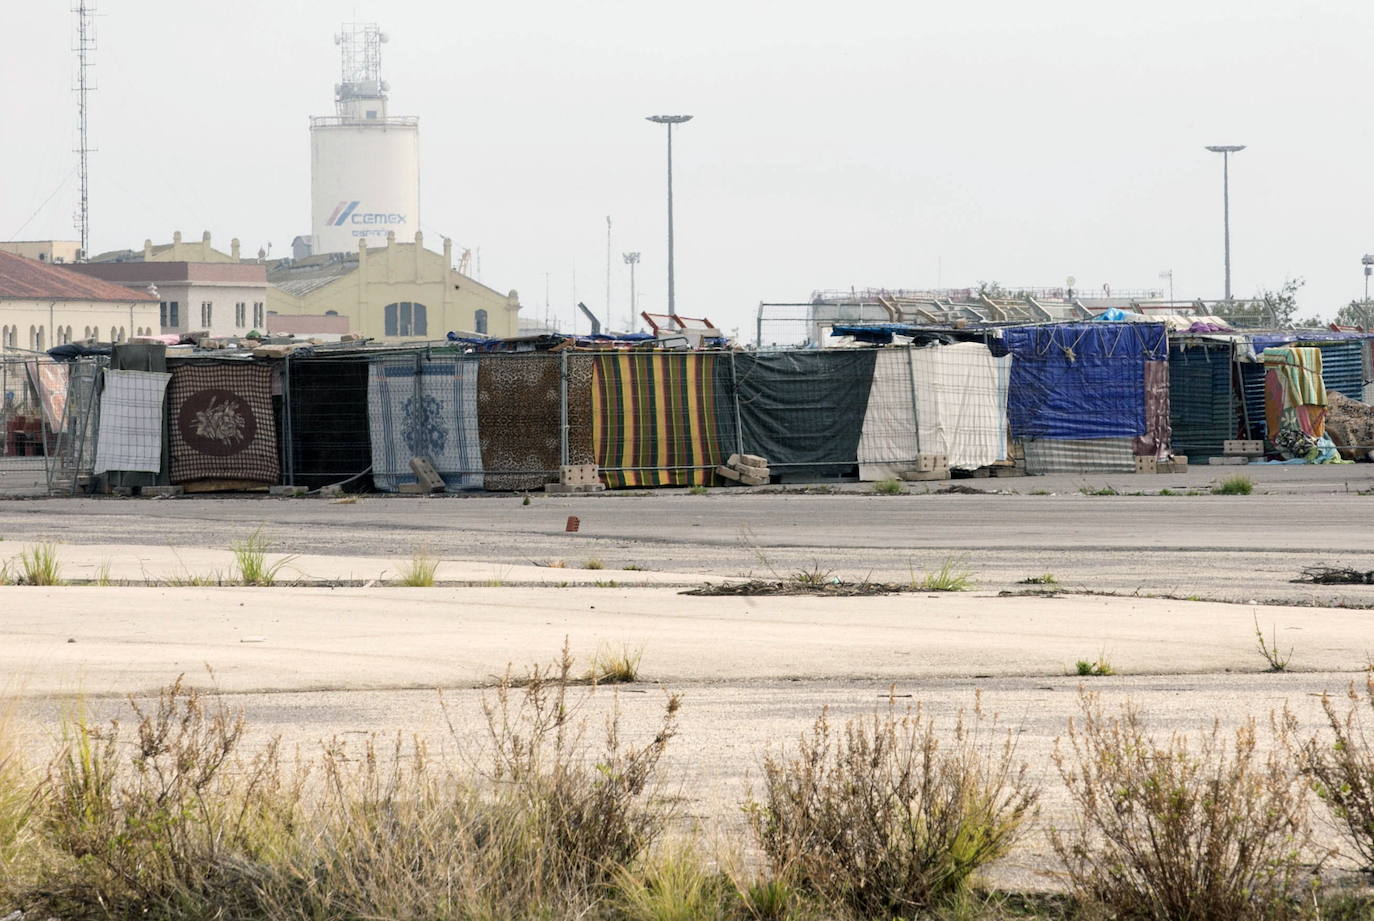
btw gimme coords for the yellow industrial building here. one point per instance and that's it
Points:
(397, 293)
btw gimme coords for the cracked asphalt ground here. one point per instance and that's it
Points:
(1183, 663)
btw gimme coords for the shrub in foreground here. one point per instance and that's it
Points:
(1173, 829)
(1341, 767)
(174, 818)
(890, 817)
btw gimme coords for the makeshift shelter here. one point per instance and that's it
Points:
(1078, 397)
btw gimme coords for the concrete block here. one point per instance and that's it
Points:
(925, 463)
(747, 460)
(729, 473)
(920, 476)
(1247, 447)
(287, 491)
(564, 489)
(1228, 461)
(750, 480)
(1146, 464)
(414, 489)
(751, 470)
(332, 491)
(161, 492)
(425, 473)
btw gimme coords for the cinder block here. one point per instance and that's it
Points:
(414, 489)
(750, 480)
(1228, 461)
(730, 473)
(1238, 446)
(578, 474)
(287, 491)
(750, 470)
(1146, 464)
(332, 491)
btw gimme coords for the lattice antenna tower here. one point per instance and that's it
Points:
(85, 49)
(360, 75)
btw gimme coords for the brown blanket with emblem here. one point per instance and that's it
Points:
(220, 417)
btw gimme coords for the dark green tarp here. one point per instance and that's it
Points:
(803, 411)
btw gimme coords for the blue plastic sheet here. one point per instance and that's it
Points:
(1081, 380)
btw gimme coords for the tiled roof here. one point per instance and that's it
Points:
(30, 279)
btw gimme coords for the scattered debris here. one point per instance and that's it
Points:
(1335, 575)
(960, 490)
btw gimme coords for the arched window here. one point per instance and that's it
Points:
(39, 343)
(121, 334)
(479, 320)
(114, 335)
(405, 318)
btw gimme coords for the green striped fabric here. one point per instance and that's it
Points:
(654, 418)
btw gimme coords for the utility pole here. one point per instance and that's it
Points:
(608, 273)
(1226, 150)
(85, 46)
(670, 121)
(632, 260)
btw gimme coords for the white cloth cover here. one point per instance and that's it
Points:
(961, 403)
(130, 434)
(887, 441)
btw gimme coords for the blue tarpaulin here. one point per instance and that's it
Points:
(1081, 380)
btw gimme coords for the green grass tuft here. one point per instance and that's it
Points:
(1099, 668)
(250, 557)
(948, 578)
(419, 572)
(889, 487)
(38, 565)
(1238, 485)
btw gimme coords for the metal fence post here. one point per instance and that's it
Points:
(288, 446)
(734, 394)
(915, 413)
(564, 452)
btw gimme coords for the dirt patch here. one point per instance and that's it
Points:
(835, 589)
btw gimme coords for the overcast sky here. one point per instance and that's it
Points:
(897, 144)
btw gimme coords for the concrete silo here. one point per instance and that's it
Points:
(364, 163)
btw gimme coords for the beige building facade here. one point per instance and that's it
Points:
(198, 287)
(400, 292)
(43, 305)
(56, 252)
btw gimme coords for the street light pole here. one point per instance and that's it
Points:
(632, 260)
(670, 121)
(1226, 150)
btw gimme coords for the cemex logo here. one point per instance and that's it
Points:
(346, 212)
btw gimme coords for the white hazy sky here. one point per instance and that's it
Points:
(896, 144)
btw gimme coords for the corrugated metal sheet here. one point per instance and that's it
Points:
(1201, 410)
(1081, 455)
(1342, 370)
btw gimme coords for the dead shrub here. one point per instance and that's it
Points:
(892, 817)
(162, 823)
(1180, 829)
(1341, 768)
